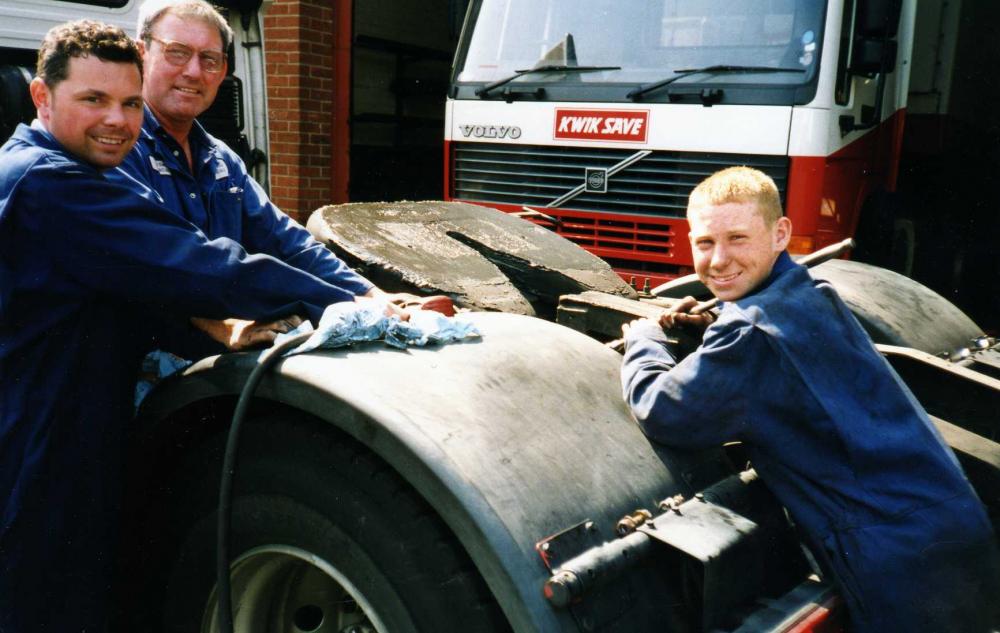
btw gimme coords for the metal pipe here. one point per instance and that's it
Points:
(812, 259)
(600, 565)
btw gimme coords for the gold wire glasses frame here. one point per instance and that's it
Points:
(178, 54)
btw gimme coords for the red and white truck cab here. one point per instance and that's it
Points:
(602, 116)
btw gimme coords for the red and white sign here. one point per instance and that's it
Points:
(602, 125)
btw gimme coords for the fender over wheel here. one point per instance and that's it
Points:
(325, 537)
(896, 310)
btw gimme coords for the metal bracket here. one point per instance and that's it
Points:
(725, 544)
(729, 532)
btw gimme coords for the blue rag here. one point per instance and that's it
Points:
(156, 366)
(350, 322)
(341, 324)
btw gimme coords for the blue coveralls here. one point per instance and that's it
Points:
(841, 442)
(80, 258)
(222, 200)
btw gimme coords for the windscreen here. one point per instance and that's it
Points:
(648, 39)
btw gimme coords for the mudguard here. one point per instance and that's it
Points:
(893, 309)
(896, 310)
(511, 438)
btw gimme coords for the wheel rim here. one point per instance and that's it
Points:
(281, 589)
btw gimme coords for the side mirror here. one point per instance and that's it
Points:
(872, 56)
(873, 52)
(243, 6)
(247, 9)
(877, 18)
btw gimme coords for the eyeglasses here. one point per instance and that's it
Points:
(178, 54)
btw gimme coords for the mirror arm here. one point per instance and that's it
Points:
(868, 120)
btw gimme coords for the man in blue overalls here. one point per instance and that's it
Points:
(81, 256)
(828, 425)
(199, 178)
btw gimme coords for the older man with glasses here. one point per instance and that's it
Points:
(184, 44)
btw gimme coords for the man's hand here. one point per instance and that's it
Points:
(394, 305)
(404, 302)
(627, 326)
(237, 334)
(434, 303)
(685, 313)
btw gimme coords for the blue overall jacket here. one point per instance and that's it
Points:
(81, 259)
(220, 198)
(839, 439)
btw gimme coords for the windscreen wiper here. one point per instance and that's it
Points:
(550, 68)
(722, 68)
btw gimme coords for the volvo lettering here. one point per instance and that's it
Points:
(491, 131)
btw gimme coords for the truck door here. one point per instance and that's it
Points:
(868, 107)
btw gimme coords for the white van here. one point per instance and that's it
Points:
(239, 114)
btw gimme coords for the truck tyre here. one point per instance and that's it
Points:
(325, 537)
(895, 310)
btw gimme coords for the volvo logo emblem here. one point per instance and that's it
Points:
(596, 180)
(490, 131)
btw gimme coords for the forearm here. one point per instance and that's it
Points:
(123, 245)
(179, 336)
(269, 230)
(306, 254)
(691, 404)
(239, 334)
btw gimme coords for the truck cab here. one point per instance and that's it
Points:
(604, 115)
(501, 484)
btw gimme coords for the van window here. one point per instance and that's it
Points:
(111, 4)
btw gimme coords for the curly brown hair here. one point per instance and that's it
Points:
(83, 38)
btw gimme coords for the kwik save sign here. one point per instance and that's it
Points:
(602, 125)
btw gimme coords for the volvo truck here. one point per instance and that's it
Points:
(596, 118)
(497, 484)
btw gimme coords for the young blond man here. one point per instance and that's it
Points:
(828, 425)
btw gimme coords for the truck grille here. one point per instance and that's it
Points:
(535, 175)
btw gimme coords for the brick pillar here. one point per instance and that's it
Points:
(299, 63)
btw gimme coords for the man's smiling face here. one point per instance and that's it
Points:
(734, 249)
(179, 94)
(96, 111)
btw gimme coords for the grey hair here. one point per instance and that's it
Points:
(153, 10)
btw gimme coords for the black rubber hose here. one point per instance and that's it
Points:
(225, 597)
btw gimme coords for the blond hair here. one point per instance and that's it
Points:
(738, 184)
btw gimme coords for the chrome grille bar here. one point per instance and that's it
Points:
(655, 183)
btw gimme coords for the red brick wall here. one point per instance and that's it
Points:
(299, 60)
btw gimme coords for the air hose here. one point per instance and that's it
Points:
(224, 588)
(267, 359)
